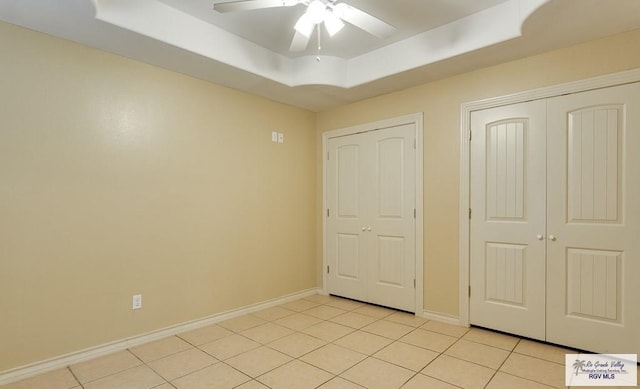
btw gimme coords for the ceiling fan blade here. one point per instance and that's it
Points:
(299, 42)
(364, 21)
(247, 5)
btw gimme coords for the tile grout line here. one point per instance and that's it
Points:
(142, 363)
(502, 364)
(75, 377)
(393, 340)
(441, 353)
(147, 366)
(300, 331)
(375, 352)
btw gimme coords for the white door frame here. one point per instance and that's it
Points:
(415, 119)
(465, 116)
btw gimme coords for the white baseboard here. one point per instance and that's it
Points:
(62, 361)
(441, 317)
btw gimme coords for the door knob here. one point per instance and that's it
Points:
(369, 229)
(363, 228)
(540, 237)
(552, 238)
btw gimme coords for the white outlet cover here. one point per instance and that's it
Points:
(280, 137)
(274, 136)
(137, 301)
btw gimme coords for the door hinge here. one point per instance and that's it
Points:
(469, 291)
(327, 155)
(414, 143)
(327, 212)
(469, 213)
(414, 213)
(328, 269)
(470, 136)
(414, 283)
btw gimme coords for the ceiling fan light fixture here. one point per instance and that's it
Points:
(304, 25)
(333, 13)
(333, 23)
(317, 11)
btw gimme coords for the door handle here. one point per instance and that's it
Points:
(540, 237)
(552, 238)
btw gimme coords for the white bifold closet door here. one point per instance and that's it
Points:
(508, 200)
(371, 216)
(593, 213)
(555, 227)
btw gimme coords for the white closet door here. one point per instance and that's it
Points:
(593, 276)
(391, 240)
(508, 195)
(346, 246)
(371, 225)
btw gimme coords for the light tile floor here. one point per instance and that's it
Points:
(321, 342)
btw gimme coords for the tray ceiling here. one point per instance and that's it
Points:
(249, 50)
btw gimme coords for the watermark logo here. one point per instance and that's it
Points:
(601, 369)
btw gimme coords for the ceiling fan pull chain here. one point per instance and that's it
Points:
(318, 30)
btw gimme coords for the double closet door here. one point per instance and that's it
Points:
(370, 194)
(555, 226)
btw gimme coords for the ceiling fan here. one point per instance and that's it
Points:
(331, 13)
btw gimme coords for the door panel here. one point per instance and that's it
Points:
(347, 171)
(390, 173)
(593, 284)
(346, 249)
(371, 238)
(507, 263)
(392, 241)
(594, 216)
(390, 261)
(347, 256)
(505, 170)
(594, 142)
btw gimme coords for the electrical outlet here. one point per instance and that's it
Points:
(280, 137)
(274, 136)
(137, 301)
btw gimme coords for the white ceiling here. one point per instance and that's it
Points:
(249, 50)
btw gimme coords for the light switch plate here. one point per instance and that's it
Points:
(274, 136)
(280, 137)
(137, 301)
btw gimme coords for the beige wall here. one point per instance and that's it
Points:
(440, 103)
(119, 178)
